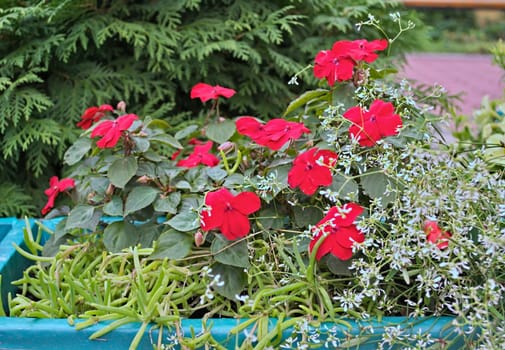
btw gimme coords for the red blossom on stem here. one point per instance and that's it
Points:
(338, 63)
(435, 235)
(200, 155)
(312, 169)
(274, 134)
(339, 232)
(229, 213)
(369, 126)
(207, 92)
(92, 115)
(111, 130)
(56, 187)
(363, 50)
(332, 66)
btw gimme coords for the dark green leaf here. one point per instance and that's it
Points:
(234, 179)
(375, 183)
(309, 96)
(166, 139)
(344, 186)
(186, 132)
(78, 149)
(217, 174)
(185, 221)
(168, 204)
(83, 216)
(232, 280)
(114, 207)
(230, 252)
(220, 132)
(141, 143)
(337, 266)
(119, 235)
(172, 245)
(305, 216)
(122, 170)
(139, 198)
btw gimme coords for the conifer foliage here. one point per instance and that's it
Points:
(59, 57)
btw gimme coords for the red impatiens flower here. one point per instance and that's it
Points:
(333, 66)
(199, 156)
(369, 126)
(207, 92)
(363, 50)
(339, 232)
(92, 115)
(111, 130)
(311, 169)
(338, 63)
(274, 134)
(229, 213)
(435, 235)
(55, 187)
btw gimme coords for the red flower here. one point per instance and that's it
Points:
(56, 187)
(370, 126)
(207, 92)
(199, 156)
(229, 213)
(111, 130)
(311, 169)
(333, 66)
(92, 115)
(339, 232)
(274, 134)
(363, 50)
(435, 235)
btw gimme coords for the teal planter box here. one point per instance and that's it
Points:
(41, 334)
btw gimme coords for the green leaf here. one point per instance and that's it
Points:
(122, 170)
(166, 139)
(232, 280)
(141, 143)
(78, 149)
(168, 204)
(217, 174)
(305, 216)
(172, 245)
(303, 99)
(234, 179)
(119, 235)
(337, 266)
(343, 186)
(139, 198)
(375, 183)
(83, 216)
(114, 207)
(185, 132)
(185, 221)
(230, 252)
(220, 132)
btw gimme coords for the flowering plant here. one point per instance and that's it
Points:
(340, 208)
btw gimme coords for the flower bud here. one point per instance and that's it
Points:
(199, 238)
(143, 179)
(227, 146)
(121, 106)
(110, 190)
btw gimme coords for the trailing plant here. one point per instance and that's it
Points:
(58, 57)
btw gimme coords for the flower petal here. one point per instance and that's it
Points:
(246, 203)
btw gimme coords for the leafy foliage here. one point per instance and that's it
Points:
(58, 57)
